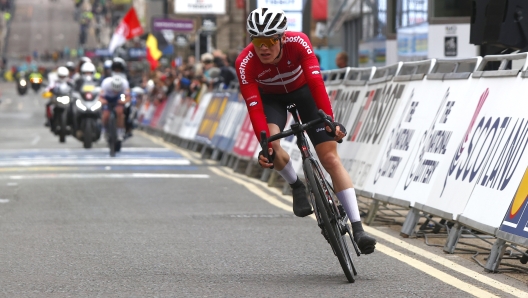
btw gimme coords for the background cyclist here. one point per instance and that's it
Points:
(276, 69)
(111, 90)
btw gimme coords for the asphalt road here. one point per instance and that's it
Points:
(156, 221)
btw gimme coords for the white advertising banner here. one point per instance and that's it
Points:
(499, 168)
(381, 103)
(194, 117)
(171, 110)
(480, 147)
(295, 5)
(437, 140)
(398, 144)
(429, 107)
(200, 7)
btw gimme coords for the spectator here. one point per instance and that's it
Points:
(341, 60)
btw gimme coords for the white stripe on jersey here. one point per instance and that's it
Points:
(281, 82)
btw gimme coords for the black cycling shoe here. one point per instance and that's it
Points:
(365, 243)
(301, 206)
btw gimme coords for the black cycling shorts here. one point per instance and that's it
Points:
(275, 109)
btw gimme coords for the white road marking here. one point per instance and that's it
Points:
(20, 106)
(102, 176)
(4, 201)
(12, 184)
(393, 253)
(91, 162)
(36, 139)
(55, 151)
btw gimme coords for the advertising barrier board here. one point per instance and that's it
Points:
(246, 142)
(194, 117)
(480, 145)
(428, 101)
(514, 227)
(214, 112)
(503, 168)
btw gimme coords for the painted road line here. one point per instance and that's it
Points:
(100, 168)
(35, 140)
(381, 235)
(449, 279)
(162, 142)
(76, 150)
(91, 162)
(3, 201)
(102, 176)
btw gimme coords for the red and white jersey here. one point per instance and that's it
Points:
(297, 67)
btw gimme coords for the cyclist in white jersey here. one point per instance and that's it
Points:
(115, 92)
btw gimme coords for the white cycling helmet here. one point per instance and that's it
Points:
(63, 72)
(117, 84)
(267, 22)
(88, 67)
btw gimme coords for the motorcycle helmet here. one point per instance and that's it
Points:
(88, 69)
(117, 84)
(62, 73)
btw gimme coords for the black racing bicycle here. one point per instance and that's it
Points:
(331, 217)
(114, 144)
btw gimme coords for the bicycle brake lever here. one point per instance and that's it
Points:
(328, 121)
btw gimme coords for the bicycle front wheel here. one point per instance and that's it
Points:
(324, 209)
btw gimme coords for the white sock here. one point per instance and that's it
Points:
(348, 199)
(288, 173)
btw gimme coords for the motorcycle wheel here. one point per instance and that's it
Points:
(88, 134)
(62, 132)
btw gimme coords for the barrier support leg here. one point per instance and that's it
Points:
(411, 220)
(265, 175)
(273, 178)
(452, 238)
(232, 161)
(249, 169)
(495, 256)
(216, 154)
(225, 159)
(373, 209)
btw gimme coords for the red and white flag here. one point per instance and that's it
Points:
(129, 28)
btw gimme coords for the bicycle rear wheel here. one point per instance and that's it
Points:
(323, 201)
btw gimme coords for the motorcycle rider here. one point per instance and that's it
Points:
(63, 78)
(87, 73)
(111, 90)
(79, 66)
(71, 68)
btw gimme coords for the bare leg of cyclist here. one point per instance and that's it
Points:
(120, 122)
(104, 120)
(327, 153)
(284, 166)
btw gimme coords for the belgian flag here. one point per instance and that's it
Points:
(155, 45)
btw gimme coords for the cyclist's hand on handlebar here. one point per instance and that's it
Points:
(263, 161)
(340, 131)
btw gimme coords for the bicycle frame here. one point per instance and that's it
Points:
(332, 222)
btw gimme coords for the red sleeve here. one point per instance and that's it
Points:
(245, 68)
(312, 74)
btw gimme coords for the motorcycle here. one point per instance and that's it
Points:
(22, 86)
(61, 119)
(35, 84)
(87, 114)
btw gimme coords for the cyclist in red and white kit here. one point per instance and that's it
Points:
(279, 68)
